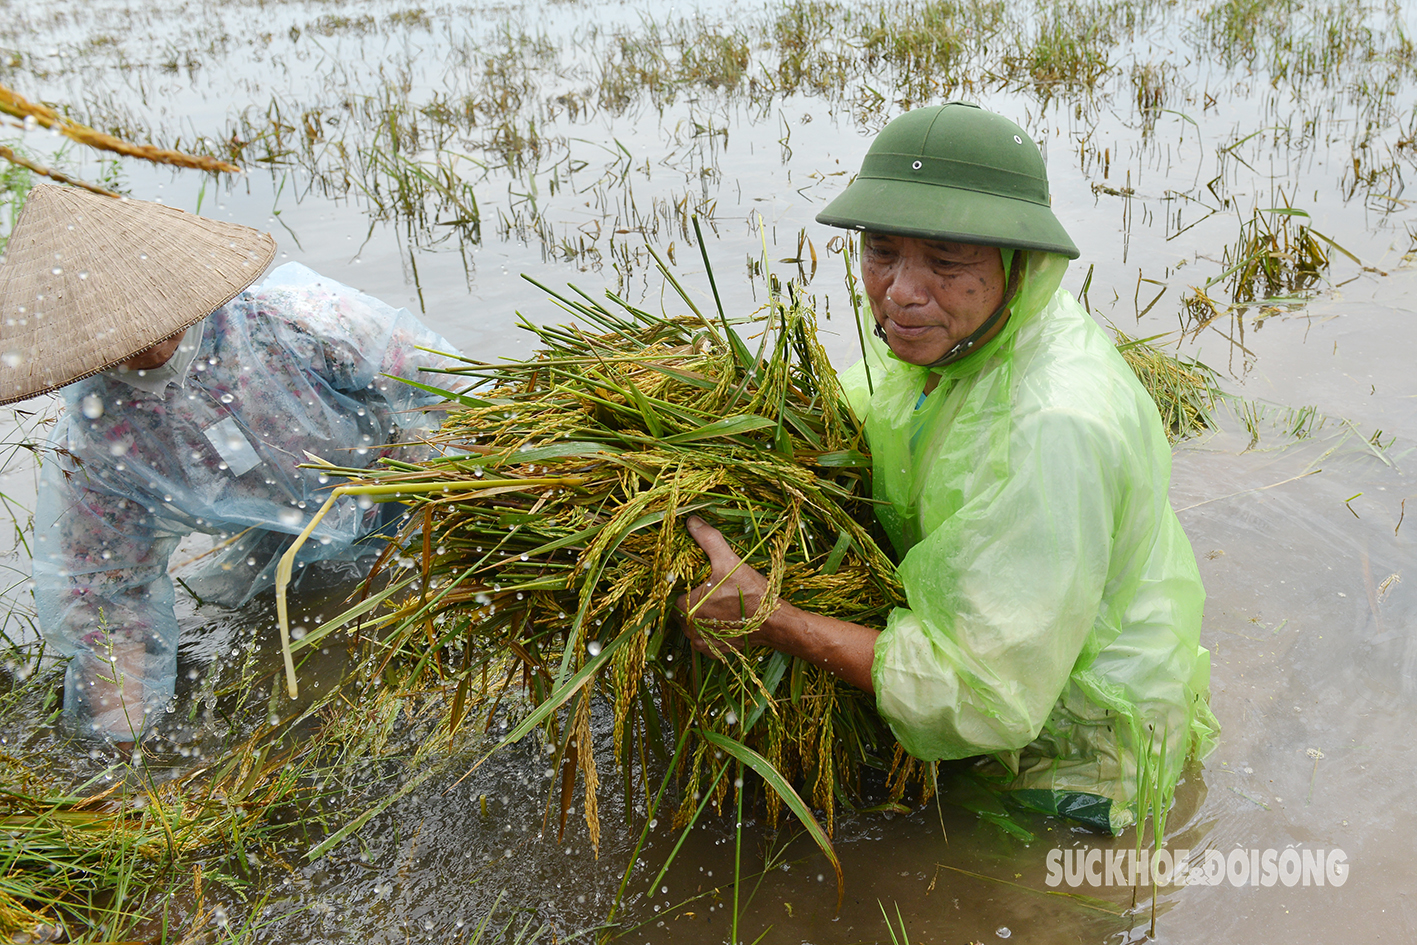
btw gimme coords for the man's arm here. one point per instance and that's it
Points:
(735, 591)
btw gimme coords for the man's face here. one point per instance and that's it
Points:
(929, 295)
(156, 356)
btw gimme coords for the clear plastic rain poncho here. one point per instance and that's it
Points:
(1054, 601)
(291, 366)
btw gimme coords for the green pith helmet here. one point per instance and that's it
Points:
(953, 172)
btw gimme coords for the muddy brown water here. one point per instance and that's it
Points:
(1294, 504)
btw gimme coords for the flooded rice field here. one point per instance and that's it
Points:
(1234, 173)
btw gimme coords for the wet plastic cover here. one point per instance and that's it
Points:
(295, 364)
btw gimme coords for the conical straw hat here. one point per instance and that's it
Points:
(89, 281)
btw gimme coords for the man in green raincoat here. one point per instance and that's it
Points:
(1054, 601)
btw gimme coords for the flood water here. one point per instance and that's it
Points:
(566, 137)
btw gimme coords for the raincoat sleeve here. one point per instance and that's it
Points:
(1004, 591)
(361, 346)
(104, 598)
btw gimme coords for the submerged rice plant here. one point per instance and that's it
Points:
(1274, 255)
(1184, 391)
(15, 182)
(98, 860)
(98, 848)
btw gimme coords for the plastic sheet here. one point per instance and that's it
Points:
(296, 364)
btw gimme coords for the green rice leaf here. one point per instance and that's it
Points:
(843, 543)
(728, 426)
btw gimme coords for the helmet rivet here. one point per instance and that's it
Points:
(1018, 140)
(916, 165)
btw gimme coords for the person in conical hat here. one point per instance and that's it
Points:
(1021, 472)
(192, 394)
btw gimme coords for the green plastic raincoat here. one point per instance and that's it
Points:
(1054, 601)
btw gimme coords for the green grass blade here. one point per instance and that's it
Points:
(728, 426)
(790, 797)
(561, 695)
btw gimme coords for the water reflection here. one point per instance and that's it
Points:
(575, 151)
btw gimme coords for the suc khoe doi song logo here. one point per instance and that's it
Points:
(1291, 866)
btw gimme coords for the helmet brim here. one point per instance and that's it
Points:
(938, 212)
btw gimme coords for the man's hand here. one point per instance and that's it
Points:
(732, 594)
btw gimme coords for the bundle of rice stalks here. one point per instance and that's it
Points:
(14, 104)
(551, 533)
(1184, 391)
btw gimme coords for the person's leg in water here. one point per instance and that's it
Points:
(112, 691)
